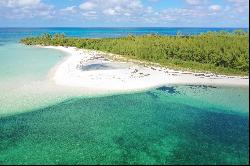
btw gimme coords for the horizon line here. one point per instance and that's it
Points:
(118, 27)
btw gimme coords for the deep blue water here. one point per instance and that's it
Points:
(7, 34)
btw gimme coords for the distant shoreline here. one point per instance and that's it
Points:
(129, 77)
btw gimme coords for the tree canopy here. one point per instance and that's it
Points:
(219, 52)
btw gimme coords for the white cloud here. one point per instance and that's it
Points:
(88, 5)
(195, 2)
(215, 8)
(239, 6)
(70, 9)
(133, 11)
(239, 1)
(28, 2)
(90, 15)
(110, 12)
(196, 12)
(19, 9)
(112, 7)
(19, 3)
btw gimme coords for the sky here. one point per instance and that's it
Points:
(124, 13)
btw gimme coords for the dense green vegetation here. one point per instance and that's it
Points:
(219, 52)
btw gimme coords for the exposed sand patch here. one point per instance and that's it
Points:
(92, 70)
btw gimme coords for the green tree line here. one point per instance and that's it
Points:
(219, 52)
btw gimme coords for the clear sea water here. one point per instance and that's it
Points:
(41, 123)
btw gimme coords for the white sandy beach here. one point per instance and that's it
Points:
(92, 70)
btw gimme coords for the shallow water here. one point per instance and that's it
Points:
(26, 62)
(24, 83)
(41, 123)
(153, 127)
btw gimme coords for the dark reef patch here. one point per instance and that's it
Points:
(205, 87)
(170, 90)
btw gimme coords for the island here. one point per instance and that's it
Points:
(141, 62)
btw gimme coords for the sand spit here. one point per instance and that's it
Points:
(93, 70)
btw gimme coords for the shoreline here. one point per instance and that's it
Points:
(96, 71)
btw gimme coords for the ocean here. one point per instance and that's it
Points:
(41, 123)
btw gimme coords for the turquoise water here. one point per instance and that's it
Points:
(41, 123)
(24, 83)
(18, 59)
(153, 127)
